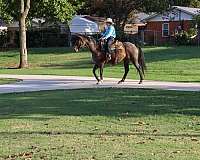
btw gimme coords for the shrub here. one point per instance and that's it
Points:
(185, 37)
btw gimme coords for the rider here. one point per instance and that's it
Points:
(109, 36)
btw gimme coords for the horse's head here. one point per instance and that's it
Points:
(81, 42)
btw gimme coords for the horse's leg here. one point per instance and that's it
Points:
(94, 72)
(101, 72)
(126, 68)
(137, 66)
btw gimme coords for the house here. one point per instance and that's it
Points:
(35, 23)
(85, 24)
(134, 23)
(161, 27)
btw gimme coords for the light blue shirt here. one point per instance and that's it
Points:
(109, 32)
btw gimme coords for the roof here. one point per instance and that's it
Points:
(188, 10)
(94, 18)
(138, 17)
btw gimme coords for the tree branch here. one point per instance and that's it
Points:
(22, 7)
(27, 8)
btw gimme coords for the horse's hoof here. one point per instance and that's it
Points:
(140, 82)
(100, 82)
(120, 82)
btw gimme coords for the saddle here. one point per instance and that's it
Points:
(102, 46)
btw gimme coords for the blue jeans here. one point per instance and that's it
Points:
(109, 42)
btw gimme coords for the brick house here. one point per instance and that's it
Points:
(161, 27)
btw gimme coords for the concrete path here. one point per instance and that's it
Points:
(31, 83)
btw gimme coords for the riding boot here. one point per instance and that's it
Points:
(109, 56)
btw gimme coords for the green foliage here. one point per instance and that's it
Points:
(55, 10)
(186, 37)
(3, 11)
(197, 20)
(195, 3)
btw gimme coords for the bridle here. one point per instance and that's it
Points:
(80, 43)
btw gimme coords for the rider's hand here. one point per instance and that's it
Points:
(102, 39)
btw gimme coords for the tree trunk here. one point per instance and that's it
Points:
(24, 9)
(23, 49)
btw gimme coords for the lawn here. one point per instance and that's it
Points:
(7, 80)
(100, 124)
(164, 63)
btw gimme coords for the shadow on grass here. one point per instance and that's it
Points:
(97, 134)
(75, 64)
(53, 50)
(171, 53)
(99, 102)
(9, 56)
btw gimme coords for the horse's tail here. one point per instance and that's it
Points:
(141, 60)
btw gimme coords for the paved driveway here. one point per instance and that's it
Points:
(31, 83)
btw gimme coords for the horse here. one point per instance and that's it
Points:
(124, 51)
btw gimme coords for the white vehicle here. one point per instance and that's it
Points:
(82, 25)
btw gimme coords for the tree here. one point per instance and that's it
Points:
(24, 9)
(119, 10)
(195, 3)
(54, 10)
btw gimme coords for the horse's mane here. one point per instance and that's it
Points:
(90, 38)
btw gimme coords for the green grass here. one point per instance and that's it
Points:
(100, 124)
(7, 80)
(164, 63)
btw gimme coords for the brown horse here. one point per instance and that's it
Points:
(125, 51)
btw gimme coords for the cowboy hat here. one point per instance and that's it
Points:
(109, 20)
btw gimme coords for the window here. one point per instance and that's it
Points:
(165, 29)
